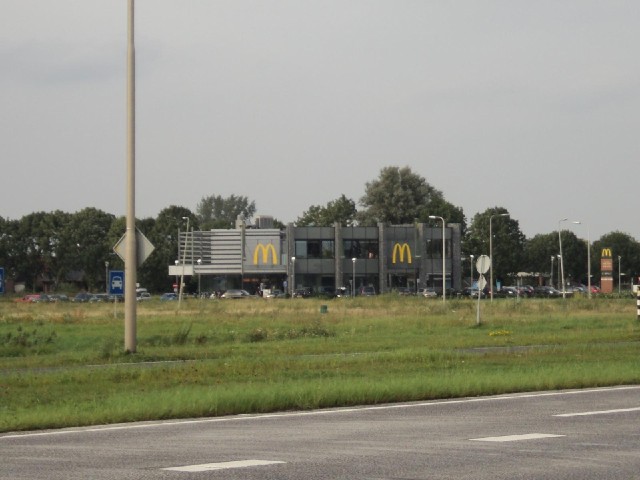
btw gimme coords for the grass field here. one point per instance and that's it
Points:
(64, 364)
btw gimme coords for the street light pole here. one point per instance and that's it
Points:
(619, 274)
(293, 276)
(491, 252)
(564, 293)
(551, 276)
(353, 278)
(471, 257)
(588, 258)
(444, 270)
(184, 259)
(199, 284)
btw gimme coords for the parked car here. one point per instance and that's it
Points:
(326, 292)
(428, 292)
(82, 297)
(473, 292)
(143, 296)
(304, 292)
(367, 291)
(507, 292)
(168, 297)
(405, 291)
(34, 298)
(58, 297)
(236, 293)
(547, 292)
(275, 293)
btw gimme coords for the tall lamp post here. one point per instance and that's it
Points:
(199, 263)
(184, 260)
(588, 258)
(491, 252)
(353, 277)
(619, 274)
(561, 258)
(551, 276)
(293, 276)
(444, 271)
(471, 257)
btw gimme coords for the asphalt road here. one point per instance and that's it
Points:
(577, 434)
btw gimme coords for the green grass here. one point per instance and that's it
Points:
(65, 365)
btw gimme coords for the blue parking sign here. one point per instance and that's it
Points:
(1, 279)
(116, 282)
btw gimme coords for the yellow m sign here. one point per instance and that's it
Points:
(606, 253)
(401, 251)
(265, 249)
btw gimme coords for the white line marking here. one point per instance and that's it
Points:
(206, 467)
(236, 418)
(601, 412)
(516, 438)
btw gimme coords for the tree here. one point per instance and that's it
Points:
(623, 245)
(163, 234)
(508, 241)
(542, 248)
(341, 210)
(85, 247)
(400, 196)
(217, 212)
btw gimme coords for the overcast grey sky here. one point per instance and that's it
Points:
(528, 105)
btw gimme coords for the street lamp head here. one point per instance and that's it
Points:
(354, 259)
(185, 218)
(293, 259)
(199, 261)
(177, 262)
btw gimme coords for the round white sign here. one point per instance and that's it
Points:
(483, 264)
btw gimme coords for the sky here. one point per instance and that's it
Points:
(529, 106)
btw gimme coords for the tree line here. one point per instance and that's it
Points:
(74, 250)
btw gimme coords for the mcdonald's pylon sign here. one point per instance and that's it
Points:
(401, 251)
(265, 249)
(606, 253)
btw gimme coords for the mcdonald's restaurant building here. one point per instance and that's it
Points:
(321, 258)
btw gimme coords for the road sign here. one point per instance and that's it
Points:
(483, 264)
(116, 282)
(144, 247)
(1, 279)
(482, 282)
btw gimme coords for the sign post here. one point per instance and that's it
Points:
(483, 264)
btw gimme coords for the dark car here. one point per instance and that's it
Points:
(169, 296)
(82, 297)
(405, 291)
(326, 292)
(473, 292)
(547, 292)
(367, 291)
(304, 292)
(507, 292)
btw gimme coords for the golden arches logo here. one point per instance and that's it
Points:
(401, 250)
(606, 253)
(265, 249)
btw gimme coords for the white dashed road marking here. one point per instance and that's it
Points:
(206, 467)
(601, 412)
(516, 438)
